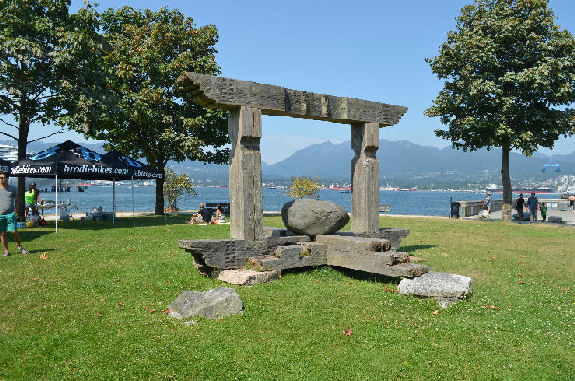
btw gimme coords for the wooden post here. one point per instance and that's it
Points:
(365, 178)
(246, 209)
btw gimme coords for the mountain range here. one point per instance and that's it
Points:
(401, 163)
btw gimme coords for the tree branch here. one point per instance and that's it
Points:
(44, 137)
(10, 136)
(9, 124)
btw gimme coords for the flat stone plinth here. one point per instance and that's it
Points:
(394, 235)
(248, 277)
(227, 254)
(303, 254)
(371, 255)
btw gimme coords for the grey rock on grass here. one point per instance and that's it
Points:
(445, 288)
(213, 304)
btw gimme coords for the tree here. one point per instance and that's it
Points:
(508, 74)
(303, 187)
(48, 68)
(154, 119)
(175, 187)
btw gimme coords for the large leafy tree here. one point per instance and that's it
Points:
(48, 68)
(509, 76)
(154, 119)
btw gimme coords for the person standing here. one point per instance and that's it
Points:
(8, 222)
(30, 200)
(487, 202)
(519, 206)
(572, 201)
(543, 209)
(532, 203)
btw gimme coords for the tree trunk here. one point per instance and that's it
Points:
(506, 181)
(23, 129)
(159, 196)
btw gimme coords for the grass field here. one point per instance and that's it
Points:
(93, 309)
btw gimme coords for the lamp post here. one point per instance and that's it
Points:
(551, 165)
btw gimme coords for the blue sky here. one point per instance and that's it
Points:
(373, 50)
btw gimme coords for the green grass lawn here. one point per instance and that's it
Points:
(93, 309)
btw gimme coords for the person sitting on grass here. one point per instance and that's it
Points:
(8, 223)
(203, 216)
(220, 218)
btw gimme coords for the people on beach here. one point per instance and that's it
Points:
(519, 206)
(487, 202)
(543, 209)
(572, 201)
(8, 223)
(532, 204)
(203, 216)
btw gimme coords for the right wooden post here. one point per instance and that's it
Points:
(365, 178)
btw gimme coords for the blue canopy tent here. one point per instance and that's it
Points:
(73, 161)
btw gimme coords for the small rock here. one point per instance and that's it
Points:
(313, 217)
(248, 277)
(445, 288)
(213, 304)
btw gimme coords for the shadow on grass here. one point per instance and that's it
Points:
(362, 275)
(355, 274)
(412, 248)
(120, 223)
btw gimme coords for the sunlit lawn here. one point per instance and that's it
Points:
(93, 309)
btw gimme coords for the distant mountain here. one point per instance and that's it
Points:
(401, 163)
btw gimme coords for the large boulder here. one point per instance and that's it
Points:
(213, 304)
(313, 217)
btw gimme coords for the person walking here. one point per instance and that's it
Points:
(572, 201)
(532, 203)
(8, 223)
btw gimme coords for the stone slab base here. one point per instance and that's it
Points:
(248, 277)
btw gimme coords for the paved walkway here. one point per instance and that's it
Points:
(567, 215)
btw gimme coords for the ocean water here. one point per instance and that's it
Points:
(427, 203)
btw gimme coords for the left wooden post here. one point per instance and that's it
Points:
(246, 207)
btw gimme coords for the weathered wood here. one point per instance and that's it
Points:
(369, 255)
(365, 178)
(228, 93)
(303, 254)
(226, 254)
(245, 174)
(394, 235)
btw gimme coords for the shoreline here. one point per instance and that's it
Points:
(267, 213)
